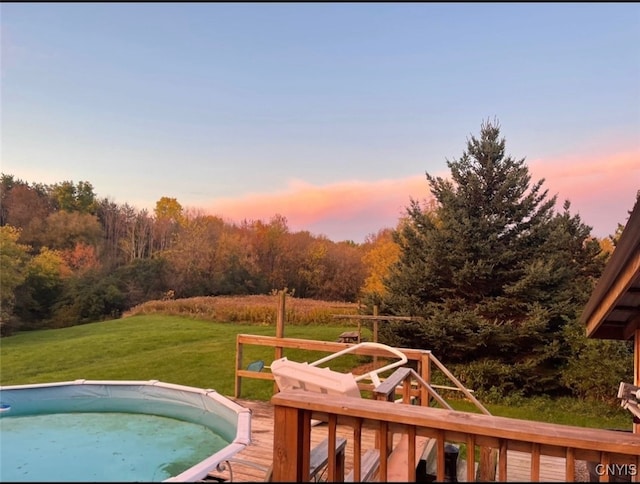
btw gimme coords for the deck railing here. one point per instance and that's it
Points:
(419, 357)
(294, 409)
(424, 361)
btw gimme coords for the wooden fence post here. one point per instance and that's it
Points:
(280, 320)
(375, 332)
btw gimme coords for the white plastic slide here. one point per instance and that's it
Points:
(372, 375)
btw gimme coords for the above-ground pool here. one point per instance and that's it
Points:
(144, 431)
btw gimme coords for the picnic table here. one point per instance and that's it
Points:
(349, 337)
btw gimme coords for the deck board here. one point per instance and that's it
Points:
(260, 451)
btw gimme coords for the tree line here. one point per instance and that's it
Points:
(69, 257)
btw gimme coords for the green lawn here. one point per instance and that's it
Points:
(151, 347)
(184, 351)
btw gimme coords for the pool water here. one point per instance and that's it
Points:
(101, 446)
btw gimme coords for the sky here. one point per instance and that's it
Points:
(329, 114)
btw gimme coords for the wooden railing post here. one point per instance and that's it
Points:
(487, 466)
(425, 373)
(440, 459)
(471, 458)
(291, 444)
(357, 450)
(502, 461)
(335, 463)
(385, 446)
(238, 378)
(535, 462)
(570, 465)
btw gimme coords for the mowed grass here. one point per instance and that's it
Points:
(188, 351)
(172, 349)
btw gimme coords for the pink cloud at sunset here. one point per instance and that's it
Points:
(344, 210)
(601, 189)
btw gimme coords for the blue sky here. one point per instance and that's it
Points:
(326, 113)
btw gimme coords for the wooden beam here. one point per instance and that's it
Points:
(617, 274)
(375, 317)
(615, 292)
(328, 346)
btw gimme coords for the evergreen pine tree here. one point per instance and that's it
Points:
(491, 271)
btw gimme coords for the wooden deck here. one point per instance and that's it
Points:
(260, 451)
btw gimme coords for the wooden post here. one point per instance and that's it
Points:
(570, 465)
(281, 315)
(535, 462)
(291, 444)
(280, 319)
(384, 446)
(487, 465)
(425, 374)
(636, 370)
(375, 332)
(238, 389)
(375, 324)
(440, 459)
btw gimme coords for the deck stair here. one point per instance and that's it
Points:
(369, 467)
(397, 462)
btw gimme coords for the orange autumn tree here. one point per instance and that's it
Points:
(168, 218)
(382, 253)
(81, 258)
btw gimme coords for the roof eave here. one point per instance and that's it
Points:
(622, 270)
